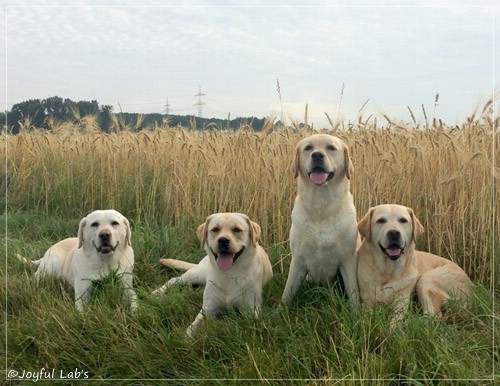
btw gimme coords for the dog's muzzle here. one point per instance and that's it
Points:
(319, 175)
(105, 247)
(394, 250)
(225, 259)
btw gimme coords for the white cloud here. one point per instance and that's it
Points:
(139, 55)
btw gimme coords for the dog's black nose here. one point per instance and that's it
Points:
(104, 236)
(223, 243)
(393, 235)
(317, 156)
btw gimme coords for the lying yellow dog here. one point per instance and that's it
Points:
(391, 271)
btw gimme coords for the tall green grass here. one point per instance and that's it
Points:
(318, 337)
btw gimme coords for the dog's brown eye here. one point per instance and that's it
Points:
(95, 224)
(381, 220)
(308, 147)
(115, 223)
(403, 220)
(331, 148)
(237, 230)
(215, 230)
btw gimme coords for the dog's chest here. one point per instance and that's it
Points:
(234, 291)
(323, 234)
(322, 244)
(379, 289)
(96, 267)
(322, 268)
(320, 235)
(100, 270)
(396, 290)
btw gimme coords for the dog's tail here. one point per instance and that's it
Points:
(177, 264)
(27, 261)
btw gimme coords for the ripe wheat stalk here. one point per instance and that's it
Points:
(174, 175)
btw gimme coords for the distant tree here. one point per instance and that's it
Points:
(105, 117)
(56, 108)
(42, 113)
(88, 108)
(32, 109)
(3, 117)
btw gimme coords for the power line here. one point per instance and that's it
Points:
(200, 103)
(167, 105)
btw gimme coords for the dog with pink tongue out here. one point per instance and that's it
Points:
(234, 272)
(324, 234)
(391, 270)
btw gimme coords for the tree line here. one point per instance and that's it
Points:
(42, 113)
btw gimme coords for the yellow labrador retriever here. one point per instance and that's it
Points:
(391, 271)
(234, 271)
(102, 246)
(324, 231)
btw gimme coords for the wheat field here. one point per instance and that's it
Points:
(175, 175)
(167, 180)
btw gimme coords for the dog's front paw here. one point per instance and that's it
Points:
(189, 333)
(159, 291)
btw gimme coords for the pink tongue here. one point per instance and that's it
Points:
(318, 178)
(105, 249)
(225, 261)
(393, 251)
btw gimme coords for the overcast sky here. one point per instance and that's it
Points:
(392, 54)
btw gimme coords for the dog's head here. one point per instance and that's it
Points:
(392, 229)
(321, 158)
(104, 230)
(227, 236)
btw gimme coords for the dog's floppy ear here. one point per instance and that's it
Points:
(349, 168)
(364, 225)
(128, 232)
(83, 222)
(295, 166)
(254, 232)
(417, 227)
(201, 232)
